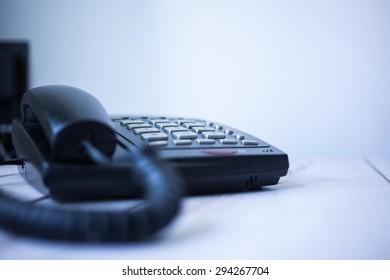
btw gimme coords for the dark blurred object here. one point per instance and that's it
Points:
(13, 83)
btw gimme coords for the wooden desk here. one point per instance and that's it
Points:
(325, 208)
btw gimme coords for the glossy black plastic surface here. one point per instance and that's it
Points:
(68, 116)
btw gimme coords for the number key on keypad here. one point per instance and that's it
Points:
(202, 129)
(185, 135)
(228, 141)
(156, 121)
(182, 142)
(154, 136)
(127, 122)
(205, 141)
(134, 126)
(193, 124)
(174, 129)
(145, 130)
(168, 124)
(250, 142)
(213, 135)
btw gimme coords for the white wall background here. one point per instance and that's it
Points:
(310, 77)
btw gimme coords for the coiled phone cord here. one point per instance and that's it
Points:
(163, 190)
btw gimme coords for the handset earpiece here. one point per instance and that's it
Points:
(68, 116)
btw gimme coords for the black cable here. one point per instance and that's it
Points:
(95, 154)
(162, 192)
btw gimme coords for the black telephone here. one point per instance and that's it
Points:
(72, 150)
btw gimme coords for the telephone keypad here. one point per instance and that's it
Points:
(168, 133)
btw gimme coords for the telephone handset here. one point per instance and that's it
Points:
(67, 117)
(65, 137)
(72, 150)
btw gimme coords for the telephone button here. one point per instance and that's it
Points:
(213, 135)
(134, 126)
(156, 121)
(181, 122)
(185, 135)
(228, 141)
(190, 125)
(205, 141)
(166, 124)
(202, 129)
(174, 129)
(154, 136)
(239, 136)
(145, 130)
(250, 142)
(127, 122)
(158, 143)
(182, 142)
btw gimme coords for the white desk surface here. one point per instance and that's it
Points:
(325, 208)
